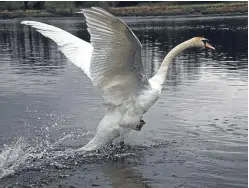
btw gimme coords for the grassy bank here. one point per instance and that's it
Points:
(155, 9)
(162, 9)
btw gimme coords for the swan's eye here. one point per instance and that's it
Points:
(204, 41)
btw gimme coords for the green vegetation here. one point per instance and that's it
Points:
(13, 9)
(159, 9)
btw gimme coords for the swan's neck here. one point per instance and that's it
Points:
(159, 78)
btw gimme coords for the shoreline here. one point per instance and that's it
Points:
(160, 9)
(139, 17)
(190, 9)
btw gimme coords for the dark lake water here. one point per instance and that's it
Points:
(195, 135)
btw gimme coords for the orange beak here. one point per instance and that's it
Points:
(209, 46)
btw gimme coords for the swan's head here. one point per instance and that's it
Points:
(202, 43)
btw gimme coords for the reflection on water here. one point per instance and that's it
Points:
(196, 134)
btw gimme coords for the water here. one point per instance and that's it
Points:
(195, 135)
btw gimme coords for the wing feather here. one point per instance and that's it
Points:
(116, 65)
(79, 52)
(112, 60)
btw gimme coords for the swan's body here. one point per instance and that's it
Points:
(113, 62)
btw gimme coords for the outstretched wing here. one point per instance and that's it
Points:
(79, 52)
(116, 66)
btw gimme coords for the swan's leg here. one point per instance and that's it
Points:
(140, 125)
(121, 139)
(123, 133)
(122, 144)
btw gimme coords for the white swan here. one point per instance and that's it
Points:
(113, 62)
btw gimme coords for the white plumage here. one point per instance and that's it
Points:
(79, 52)
(113, 62)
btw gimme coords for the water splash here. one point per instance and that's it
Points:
(21, 155)
(11, 157)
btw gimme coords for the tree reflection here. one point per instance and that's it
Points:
(30, 51)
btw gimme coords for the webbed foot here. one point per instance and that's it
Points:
(140, 125)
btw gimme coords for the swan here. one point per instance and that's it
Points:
(113, 62)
